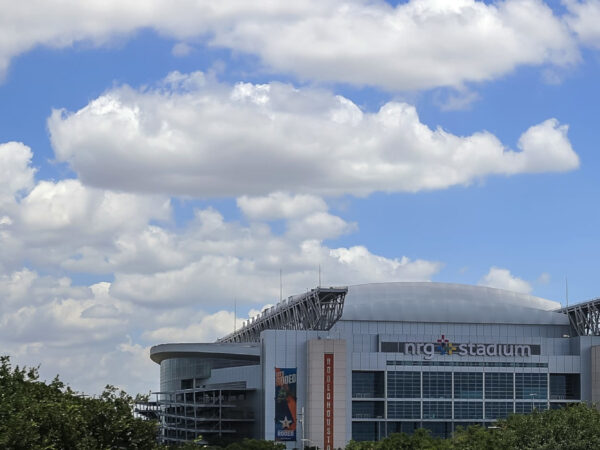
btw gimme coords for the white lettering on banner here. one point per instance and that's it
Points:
(328, 401)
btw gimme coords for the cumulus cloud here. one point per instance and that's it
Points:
(209, 328)
(16, 174)
(414, 45)
(171, 283)
(503, 279)
(583, 19)
(181, 49)
(227, 260)
(280, 205)
(257, 139)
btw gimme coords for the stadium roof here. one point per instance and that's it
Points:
(444, 302)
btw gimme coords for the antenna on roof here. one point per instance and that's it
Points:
(280, 285)
(319, 275)
(567, 289)
(234, 314)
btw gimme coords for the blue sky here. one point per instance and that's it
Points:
(160, 161)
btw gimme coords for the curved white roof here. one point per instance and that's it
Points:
(444, 302)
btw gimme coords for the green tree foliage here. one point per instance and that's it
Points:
(39, 415)
(253, 444)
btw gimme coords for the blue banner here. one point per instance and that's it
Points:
(285, 404)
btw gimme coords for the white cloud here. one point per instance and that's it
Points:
(544, 278)
(280, 205)
(227, 260)
(257, 139)
(181, 49)
(417, 44)
(170, 282)
(208, 329)
(16, 174)
(503, 279)
(583, 19)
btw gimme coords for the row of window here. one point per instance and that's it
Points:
(468, 364)
(465, 385)
(375, 430)
(442, 409)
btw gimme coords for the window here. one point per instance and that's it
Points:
(498, 385)
(404, 410)
(532, 386)
(367, 410)
(367, 431)
(468, 410)
(437, 410)
(527, 407)
(564, 386)
(437, 384)
(498, 410)
(390, 347)
(404, 385)
(367, 384)
(402, 427)
(439, 429)
(468, 385)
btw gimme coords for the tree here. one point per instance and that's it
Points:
(254, 444)
(37, 415)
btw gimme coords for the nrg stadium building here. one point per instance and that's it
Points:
(361, 362)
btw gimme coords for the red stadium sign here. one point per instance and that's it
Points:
(328, 402)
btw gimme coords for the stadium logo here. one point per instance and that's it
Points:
(444, 346)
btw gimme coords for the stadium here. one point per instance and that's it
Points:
(362, 362)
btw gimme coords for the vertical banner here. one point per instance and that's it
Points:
(328, 402)
(285, 404)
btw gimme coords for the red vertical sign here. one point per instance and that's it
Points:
(328, 402)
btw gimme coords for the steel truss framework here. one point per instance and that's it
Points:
(584, 317)
(188, 414)
(318, 309)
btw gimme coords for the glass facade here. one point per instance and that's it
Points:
(532, 386)
(565, 386)
(437, 384)
(367, 384)
(404, 410)
(368, 431)
(468, 385)
(498, 410)
(527, 407)
(499, 386)
(367, 409)
(437, 410)
(441, 400)
(468, 410)
(404, 385)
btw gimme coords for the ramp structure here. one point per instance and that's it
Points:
(317, 309)
(584, 317)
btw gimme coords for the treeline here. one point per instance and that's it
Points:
(51, 416)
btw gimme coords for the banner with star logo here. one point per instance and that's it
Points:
(285, 404)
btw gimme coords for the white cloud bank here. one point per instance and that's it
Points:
(584, 20)
(502, 279)
(417, 44)
(195, 136)
(170, 282)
